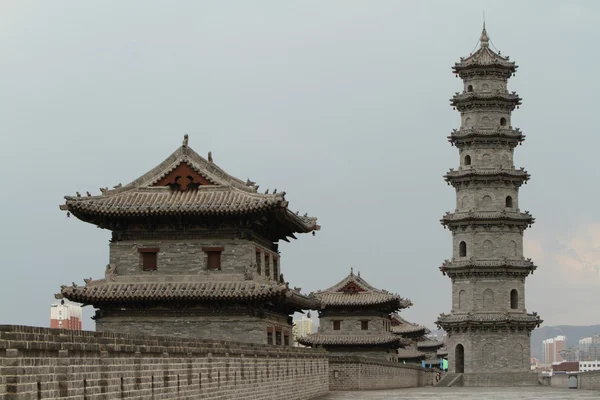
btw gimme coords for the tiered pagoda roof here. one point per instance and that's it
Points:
(485, 217)
(475, 175)
(353, 291)
(488, 320)
(510, 135)
(474, 266)
(186, 185)
(484, 61)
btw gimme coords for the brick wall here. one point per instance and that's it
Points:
(589, 380)
(41, 363)
(501, 379)
(360, 373)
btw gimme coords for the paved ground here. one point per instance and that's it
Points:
(525, 393)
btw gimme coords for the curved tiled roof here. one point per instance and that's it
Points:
(468, 172)
(466, 133)
(429, 344)
(484, 57)
(103, 291)
(362, 295)
(487, 215)
(317, 339)
(408, 328)
(468, 96)
(408, 353)
(495, 319)
(442, 352)
(222, 194)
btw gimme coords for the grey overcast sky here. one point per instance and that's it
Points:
(343, 104)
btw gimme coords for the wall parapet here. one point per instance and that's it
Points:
(47, 363)
(363, 373)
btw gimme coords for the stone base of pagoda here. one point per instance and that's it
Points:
(230, 325)
(493, 351)
(500, 379)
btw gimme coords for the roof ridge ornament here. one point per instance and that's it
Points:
(185, 140)
(484, 39)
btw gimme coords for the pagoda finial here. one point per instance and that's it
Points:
(351, 271)
(484, 39)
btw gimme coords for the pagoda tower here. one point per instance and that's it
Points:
(194, 253)
(489, 327)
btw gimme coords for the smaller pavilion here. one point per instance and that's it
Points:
(355, 320)
(410, 331)
(431, 347)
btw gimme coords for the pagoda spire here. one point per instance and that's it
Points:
(484, 39)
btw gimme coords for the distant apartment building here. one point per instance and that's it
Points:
(585, 366)
(302, 327)
(65, 316)
(552, 349)
(590, 348)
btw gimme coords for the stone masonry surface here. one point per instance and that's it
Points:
(427, 393)
(359, 373)
(589, 380)
(41, 363)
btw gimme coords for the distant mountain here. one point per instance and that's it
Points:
(573, 334)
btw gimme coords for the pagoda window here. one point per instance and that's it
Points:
(488, 299)
(470, 88)
(278, 338)
(275, 268)
(267, 265)
(462, 299)
(149, 257)
(467, 160)
(462, 249)
(258, 262)
(269, 337)
(364, 325)
(514, 299)
(286, 339)
(213, 257)
(502, 121)
(337, 325)
(509, 202)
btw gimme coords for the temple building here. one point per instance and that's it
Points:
(488, 327)
(354, 319)
(194, 253)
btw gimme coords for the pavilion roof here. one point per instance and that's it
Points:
(186, 184)
(355, 291)
(429, 344)
(402, 326)
(410, 353)
(316, 339)
(106, 291)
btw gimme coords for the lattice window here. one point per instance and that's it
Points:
(275, 268)
(213, 257)
(267, 264)
(258, 262)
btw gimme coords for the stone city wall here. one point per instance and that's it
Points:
(41, 363)
(501, 379)
(361, 373)
(589, 380)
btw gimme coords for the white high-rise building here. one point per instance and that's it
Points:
(65, 315)
(302, 327)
